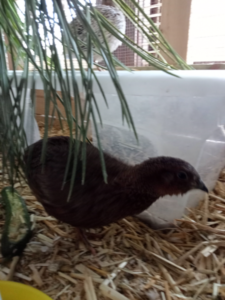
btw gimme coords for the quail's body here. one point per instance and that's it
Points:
(129, 191)
(113, 15)
(93, 204)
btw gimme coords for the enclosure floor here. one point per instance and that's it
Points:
(183, 263)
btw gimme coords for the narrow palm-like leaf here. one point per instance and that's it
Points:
(33, 41)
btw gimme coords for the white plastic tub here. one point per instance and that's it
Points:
(30, 125)
(180, 117)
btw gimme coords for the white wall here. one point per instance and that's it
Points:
(207, 31)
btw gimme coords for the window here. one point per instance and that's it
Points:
(206, 43)
(151, 7)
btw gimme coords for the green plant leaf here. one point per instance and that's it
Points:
(42, 40)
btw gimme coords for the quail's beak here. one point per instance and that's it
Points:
(201, 186)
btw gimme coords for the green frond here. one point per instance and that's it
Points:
(42, 39)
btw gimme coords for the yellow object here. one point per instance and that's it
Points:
(10, 290)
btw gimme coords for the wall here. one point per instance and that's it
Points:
(207, 31)
(175, 24)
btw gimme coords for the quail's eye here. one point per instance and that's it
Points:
(182, 175)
